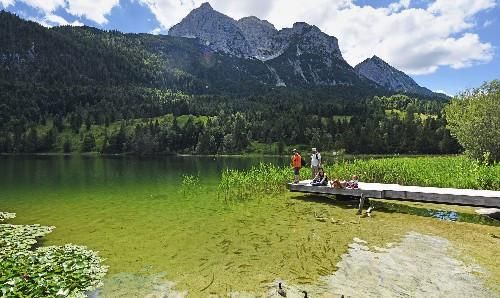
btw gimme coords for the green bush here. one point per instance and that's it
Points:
(474, 118)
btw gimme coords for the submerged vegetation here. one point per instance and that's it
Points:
(68, 270)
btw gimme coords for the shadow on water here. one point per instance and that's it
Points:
(387, 207)
(342, 202)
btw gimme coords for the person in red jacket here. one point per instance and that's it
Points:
(296, 165)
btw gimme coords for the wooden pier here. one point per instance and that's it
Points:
(454, 196)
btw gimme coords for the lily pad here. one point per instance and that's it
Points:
(53, 271)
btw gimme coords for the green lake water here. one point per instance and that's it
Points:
(154, 235)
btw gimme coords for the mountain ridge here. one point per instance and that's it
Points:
(253, 38)
(388, 77)
(298, 57)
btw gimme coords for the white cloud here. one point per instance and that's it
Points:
(415, 40)
(93, 10)
(402, 4)
(156, 31)
(7, 3)
(169, 12)
(460, 7)
(46, 6)
(443, 91)
(52, 20)
(488, 23)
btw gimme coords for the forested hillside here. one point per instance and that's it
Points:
(80, 89)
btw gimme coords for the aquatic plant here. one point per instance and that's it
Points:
(190, 184)
(6, 215)
(68, 271)
(260, 179)
(16, 238)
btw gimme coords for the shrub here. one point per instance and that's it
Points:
(474, 119)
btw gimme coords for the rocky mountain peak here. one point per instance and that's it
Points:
(255, 21)
(300, 26)
(383, 74)
(259, 34)
(213, 29)
(253, 37)
(302, 54)
(205, 6)
(310, 39)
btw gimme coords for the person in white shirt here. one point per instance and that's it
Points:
(315, 162)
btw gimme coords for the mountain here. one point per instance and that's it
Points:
(214, 29)
(80, 88)
(388, 77)
(251, 37)
(259, 35)
(301, 56)
(207, 52)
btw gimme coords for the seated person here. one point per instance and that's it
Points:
(321, 178)
(352, 184)
(337, 184)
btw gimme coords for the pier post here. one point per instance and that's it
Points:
(362, 200)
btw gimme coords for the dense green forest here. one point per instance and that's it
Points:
(80, 89)
(212, 124)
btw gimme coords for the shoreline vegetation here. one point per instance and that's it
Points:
(454, 171)
(447, 171)
(329, 155)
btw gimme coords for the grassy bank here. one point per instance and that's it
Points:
(437, 171)
(448, 171)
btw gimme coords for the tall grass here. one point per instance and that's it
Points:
(449, 171)
(190, 185)
(444, 171)
(261, 179)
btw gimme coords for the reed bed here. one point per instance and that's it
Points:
(258, 180)
(190, 185)
(441, 171)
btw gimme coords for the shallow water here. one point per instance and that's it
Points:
(158, 239)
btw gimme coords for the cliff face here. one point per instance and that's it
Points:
(388, 77)
(301, 55)
(259, 35)
(213, 29)
(252, 37)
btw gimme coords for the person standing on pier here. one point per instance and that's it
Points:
(315, 162)
(296, 165)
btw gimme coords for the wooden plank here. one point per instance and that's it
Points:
(467, 197)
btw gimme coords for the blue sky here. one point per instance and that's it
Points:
(443, 44)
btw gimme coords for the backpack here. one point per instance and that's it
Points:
(302, 162)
